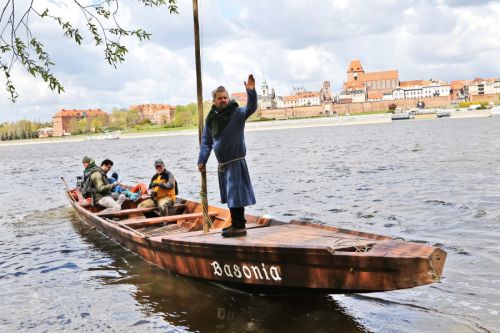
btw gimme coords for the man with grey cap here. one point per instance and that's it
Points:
(162, 188)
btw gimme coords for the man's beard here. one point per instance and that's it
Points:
(222, 106)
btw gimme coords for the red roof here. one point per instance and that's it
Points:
(239, 96)
(290, 98)
(79, 113)
(383, 75)
(411, 83)
(481, 80)
(308, 94)
(458, 84)
(355, 66)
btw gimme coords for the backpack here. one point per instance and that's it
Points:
(86, 187)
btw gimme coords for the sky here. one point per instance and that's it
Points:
(287, 43)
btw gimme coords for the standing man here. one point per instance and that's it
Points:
(224, 132)
(163, 189)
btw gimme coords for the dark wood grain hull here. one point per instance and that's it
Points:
(296, 261)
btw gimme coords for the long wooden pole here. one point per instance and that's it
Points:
(199, 89)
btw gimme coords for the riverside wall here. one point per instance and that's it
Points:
(493, 98)
(341, 109)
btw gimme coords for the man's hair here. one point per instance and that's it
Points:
(107, 162)
(219, 89)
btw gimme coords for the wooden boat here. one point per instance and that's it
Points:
(275, 256)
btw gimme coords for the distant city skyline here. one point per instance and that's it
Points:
(292, 43)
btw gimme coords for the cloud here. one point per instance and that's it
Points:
(289, 43)
(465, 3)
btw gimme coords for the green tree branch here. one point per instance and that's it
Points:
(19, 46)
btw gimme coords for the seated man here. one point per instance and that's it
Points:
(162, 189)
(84, 182)
(88, 165)
(102, 188)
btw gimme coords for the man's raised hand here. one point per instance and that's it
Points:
(250, 84)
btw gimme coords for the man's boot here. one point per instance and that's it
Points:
(238, 222)
(234, 232)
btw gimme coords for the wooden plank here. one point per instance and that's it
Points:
(340, 230)
(126, 212)
(163, 219)
(131, 211)
(165, 230)
(216, 231)
(281, 235)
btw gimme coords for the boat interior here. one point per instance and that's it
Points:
(184, 216)
(185, 219)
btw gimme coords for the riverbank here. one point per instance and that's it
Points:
(262, 126)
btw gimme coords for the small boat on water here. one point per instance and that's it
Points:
(275, 256)
(401, 116)
(443, 113)
(104, 136)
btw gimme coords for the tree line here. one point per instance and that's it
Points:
(123, 119)
(118, 119)
(22, 129)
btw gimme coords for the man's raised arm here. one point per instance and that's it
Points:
(251, 96)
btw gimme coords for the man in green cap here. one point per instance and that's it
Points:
(89, 167)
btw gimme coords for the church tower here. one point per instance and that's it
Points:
(264, 89)
(326, 93)
(355, 71)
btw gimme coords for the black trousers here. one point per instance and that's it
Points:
(238, 217)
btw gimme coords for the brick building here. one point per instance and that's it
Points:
(157, 113)
(63, 119)
(361, 85)
(458, 90)
(240, 98)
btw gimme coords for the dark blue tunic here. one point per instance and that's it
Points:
(234, 181)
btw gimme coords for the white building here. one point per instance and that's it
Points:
(354, 92)
(398, 93)
(421, 89)
(299, 99)
(436, 89)
(309, 99)
(484, 86)
(388, 96)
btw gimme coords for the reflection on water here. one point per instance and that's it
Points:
(434, 182)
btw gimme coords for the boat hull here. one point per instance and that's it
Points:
(260, 262)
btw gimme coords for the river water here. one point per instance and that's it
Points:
(435, 182)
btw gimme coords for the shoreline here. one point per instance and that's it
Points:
(265, 125)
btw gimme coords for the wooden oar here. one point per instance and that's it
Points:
(199, 88)
(65, 184)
